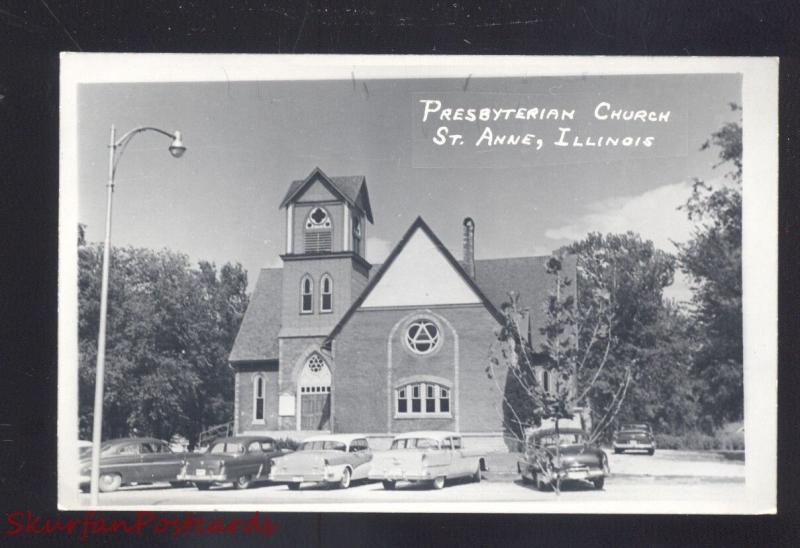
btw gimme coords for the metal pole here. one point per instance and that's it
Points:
(97, 427)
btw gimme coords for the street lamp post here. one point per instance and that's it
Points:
(115, 150)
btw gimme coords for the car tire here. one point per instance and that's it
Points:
(344, 483)
(110, 482)
(598, 483)
(389, 485)
(617, 451)
(651, 452)
(203, 486)
(438, 482)
(242, 482)
(294, 486)
(476, 477)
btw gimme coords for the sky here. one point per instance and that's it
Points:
(248, 140)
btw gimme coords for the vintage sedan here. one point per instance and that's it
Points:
(131, 461)
(634, 437)
(552, 457)
(430, 456)
(334, 460)
(241, 460)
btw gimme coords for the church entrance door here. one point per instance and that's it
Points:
(315, 411)
(315, 394)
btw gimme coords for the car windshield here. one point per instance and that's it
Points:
(569, 438)
(415, 443)
(227, 448)
(326, 445)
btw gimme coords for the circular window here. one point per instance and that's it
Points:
(318, 218)
(422, 336)
(315, 363)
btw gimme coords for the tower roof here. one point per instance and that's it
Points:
(350, 188)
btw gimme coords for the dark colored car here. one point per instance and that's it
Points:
(634, 437)
(127, 461)
(551, 459)
(241, 460)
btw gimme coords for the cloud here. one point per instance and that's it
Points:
(653, 214)
(378, 249)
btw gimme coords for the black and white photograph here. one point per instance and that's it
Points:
(417, 284)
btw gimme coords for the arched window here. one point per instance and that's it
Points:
(258, 399)
(306, 295)
(357, 235)
(546, 381)
(318, 237)
(326, 294)
(422, 399)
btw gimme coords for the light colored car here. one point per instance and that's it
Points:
(428, 456)
(330, 459)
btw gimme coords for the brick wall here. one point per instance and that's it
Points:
(361, 394)
(245, 377)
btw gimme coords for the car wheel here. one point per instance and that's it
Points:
(651, 452)
(203, 486)
(110, 482)
(617, 451)
(389, 485)
(344, 483)
(476, 477)
(242, 482)
(599, 482)
(294, 486)
(438, 483)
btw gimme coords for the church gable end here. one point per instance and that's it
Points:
(420, 275)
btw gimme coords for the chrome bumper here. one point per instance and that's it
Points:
(206, 478)
(401, 475)
(637, 445)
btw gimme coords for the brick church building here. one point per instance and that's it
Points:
(333, 343)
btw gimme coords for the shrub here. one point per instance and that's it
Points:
(698, 441)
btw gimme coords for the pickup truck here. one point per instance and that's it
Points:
(429, 456)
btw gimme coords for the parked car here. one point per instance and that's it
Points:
(330, 459)
(552, 457)
(241, 460)
(127, 461)
(430, 456)
(636, 437)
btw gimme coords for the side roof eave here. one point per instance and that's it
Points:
(418, 224)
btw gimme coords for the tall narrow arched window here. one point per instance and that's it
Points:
(357, 235)
(306, 295)
(326, 294)
(318, 231)
(258, 399)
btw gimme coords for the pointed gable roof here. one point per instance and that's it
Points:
(351, 188)
(418, 225)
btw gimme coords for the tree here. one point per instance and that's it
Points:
(170, 328)
(712, 258)
(605, 351)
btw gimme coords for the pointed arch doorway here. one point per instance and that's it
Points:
(314, 387)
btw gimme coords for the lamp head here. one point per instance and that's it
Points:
(177, 147)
